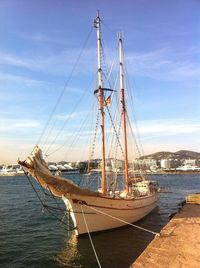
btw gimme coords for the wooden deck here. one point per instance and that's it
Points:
(179, 242)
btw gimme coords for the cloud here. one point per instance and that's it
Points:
(156, 135)
(17, 124)
(66, 117)
(12, 149)
(13, 60)
(22, 79)
(74, 115)
(167, 127)
(165, 64)
(39, 37)
(170, 134)
(57, 63)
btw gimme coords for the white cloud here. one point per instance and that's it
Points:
(156, 135)
(73, 115)
(165, 64)
(168, 127)
(22, 79)
(49, 62)
(17, 124)
(161, 64)
(39, 37)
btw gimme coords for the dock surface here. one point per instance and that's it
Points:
(178, 244)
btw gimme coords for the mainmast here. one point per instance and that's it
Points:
(122, 99)
(101, 100)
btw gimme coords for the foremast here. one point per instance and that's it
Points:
(124, 111)
(101, 101)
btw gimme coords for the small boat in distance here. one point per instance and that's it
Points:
(107, 207)
(63, 169)
(11, 170)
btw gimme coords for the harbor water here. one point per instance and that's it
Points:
(31, 237)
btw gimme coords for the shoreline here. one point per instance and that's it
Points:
(173, 172)
(147, 173)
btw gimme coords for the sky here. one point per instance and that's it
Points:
(41, 42)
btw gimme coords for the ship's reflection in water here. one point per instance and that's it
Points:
(42, 242)
(70, 255)
(77, 252)
(111, 247)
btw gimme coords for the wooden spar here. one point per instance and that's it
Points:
(123, 110)
(101, 102)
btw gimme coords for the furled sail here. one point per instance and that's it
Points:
(36, 166)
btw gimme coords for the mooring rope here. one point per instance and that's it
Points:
(128, 223)
(92, 244)
(48, 208)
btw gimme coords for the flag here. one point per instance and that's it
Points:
(108, 101)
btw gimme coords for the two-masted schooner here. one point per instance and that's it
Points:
(93, 211)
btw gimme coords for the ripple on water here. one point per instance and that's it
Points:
(31, 238)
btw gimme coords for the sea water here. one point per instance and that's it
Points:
(31, 237)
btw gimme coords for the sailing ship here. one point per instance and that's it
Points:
(103, 209)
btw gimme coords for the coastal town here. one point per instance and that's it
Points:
(161, 162)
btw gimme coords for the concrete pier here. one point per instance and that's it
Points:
(179, 242)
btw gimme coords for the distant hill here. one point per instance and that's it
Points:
(182, 154)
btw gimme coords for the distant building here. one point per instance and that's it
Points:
(165, 163)
(190, 162)
(145, 164)
(198, 162)
(118, 164)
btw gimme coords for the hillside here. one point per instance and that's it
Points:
(182, 154)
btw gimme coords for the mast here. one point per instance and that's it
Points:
(122, 99)
(101, 101)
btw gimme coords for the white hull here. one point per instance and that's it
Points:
(102, 213)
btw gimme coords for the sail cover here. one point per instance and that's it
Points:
(36, 166)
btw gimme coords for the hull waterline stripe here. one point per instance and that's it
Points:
(112, 208)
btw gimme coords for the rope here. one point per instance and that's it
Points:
(108, 28)
(33, 188)
(48, 208)
(131, 224)
(115, 131)
(53, 197)
(129, 91)
(94, 138)
(95, 253)
(64, 89)
(84, 95)
(136, 144)
(75, 137)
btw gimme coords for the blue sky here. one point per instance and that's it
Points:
(40, 41)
